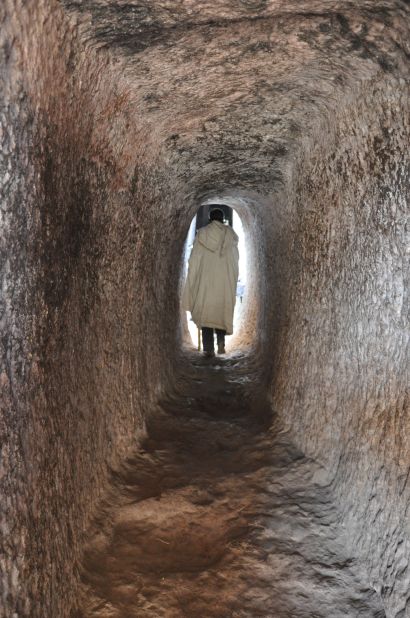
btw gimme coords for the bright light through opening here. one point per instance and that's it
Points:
(241, 287)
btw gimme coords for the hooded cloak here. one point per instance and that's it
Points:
(210, 289)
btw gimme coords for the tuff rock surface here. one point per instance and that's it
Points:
(117, 120)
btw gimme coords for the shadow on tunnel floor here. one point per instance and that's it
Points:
(217, 514)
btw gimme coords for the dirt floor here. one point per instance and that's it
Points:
(218, 515)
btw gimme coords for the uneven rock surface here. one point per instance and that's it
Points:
(218, 515)
(117, 120)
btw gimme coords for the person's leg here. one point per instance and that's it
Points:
(220, 337)
(208, 339)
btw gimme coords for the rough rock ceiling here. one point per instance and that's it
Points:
(232, 86)
(136, 25)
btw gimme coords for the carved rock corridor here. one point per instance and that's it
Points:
(218, 514)
(139, 479)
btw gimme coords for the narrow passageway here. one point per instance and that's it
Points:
(217, 514)
(272, 483)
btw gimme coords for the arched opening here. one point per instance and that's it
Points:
(233, 219)
(256, 332)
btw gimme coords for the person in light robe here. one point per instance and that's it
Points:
(210, 288)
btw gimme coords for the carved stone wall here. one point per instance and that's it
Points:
(343, 392)
(84, 291)
(117, 120)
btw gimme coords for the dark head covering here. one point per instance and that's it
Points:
(216, 214)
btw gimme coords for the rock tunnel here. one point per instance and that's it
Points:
(137, 480)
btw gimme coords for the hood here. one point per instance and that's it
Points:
(217, 237)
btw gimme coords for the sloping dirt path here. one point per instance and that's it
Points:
(218, 515)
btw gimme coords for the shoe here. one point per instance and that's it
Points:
(209, 354)
(221, 348)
